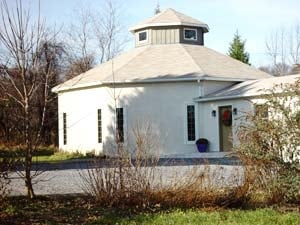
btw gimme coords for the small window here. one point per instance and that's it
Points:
(191, 123)
(262, 111)
(143, 36)
(99, 126)
(65, 128)
(120, 124)
(190, 34)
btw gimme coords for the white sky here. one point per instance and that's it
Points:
(254, 19)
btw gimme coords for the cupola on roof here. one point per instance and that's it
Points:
(170, 17)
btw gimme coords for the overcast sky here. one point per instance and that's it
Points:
(254, 19)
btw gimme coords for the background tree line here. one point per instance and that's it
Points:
(282, 49)
(36, 57)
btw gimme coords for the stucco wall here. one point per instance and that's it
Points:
(209, 86)
(162, 104)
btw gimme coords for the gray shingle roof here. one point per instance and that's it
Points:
(154, 63)
(251, 88)
(170, 17)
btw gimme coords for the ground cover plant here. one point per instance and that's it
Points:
(85, 210)
(42, 154)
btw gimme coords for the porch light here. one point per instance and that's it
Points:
(235, 111)
(213, 113)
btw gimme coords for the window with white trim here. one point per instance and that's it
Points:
(142, 36)
(191, 128)
(190, 34)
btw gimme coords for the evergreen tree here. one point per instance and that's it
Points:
(237, 49)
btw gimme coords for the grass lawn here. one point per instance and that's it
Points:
(53, 158)
(195, 217)
(58, 156)
(83, 210)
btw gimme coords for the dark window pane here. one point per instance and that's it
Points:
(65, 128)
(191, 122)
(190, 34)
(99, 126)
(143, 36)
(120, 124)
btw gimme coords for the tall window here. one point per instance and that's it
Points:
(191, 123)
(190, 34)
(65, 127)
(99, 126)
(120, 124)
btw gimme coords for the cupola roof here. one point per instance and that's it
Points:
(170, 17)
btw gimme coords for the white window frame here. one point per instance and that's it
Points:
(143, 41)
(186, 141)
(188, 39)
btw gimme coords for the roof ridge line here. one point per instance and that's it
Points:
(195, 62)
(115, 72)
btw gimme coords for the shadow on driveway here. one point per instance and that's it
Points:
(107, 163)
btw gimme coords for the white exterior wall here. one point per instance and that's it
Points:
(163, 104)
(213, 86)
(209, 125)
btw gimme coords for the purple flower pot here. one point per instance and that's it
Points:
(202, 147)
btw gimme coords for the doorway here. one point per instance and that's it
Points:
(225, 128)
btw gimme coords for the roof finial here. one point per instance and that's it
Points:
(157, 9)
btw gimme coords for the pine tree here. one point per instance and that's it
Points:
(237, 49)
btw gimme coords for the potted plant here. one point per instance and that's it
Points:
(202, 144)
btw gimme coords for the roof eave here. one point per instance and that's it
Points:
(220, 98)
(62, 87)
(229, 97)
(141, 26)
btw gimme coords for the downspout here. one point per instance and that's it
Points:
(201, 91)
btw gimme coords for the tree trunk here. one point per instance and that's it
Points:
(28, 155)
(28, 178)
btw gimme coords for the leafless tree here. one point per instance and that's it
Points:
(283, 47)
(109, 31)
(294, 42)
(97, 37)
(25, 75)
(81, 52)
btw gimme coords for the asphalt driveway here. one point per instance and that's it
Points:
(66, 177)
